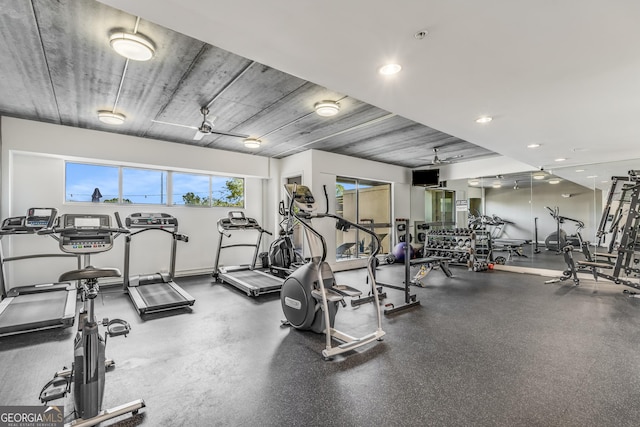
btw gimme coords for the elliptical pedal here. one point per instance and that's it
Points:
(347, 291)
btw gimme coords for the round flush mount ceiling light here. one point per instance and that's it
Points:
(132, 46)
(539, 176)
(533, 145)
(390, 69)
(252, 143)
(327, 108)
(560, 159)
(554, 181)
(111, 118)
(484, 119)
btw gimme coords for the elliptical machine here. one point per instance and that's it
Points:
(283, 257)
(559, 238)
(310, 296)
(85, 235)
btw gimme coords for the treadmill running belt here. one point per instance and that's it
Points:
(159, 295)
(33, 311)
(258, 279)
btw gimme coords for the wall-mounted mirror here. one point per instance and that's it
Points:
(526, 212)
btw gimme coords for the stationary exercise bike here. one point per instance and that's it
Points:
(310, 296)
(85, 235)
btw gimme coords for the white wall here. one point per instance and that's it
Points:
(498, 165)
(319, 168)
(33, 156)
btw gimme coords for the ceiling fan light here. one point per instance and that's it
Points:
(252, 143)
(327, 108)
(111, 118)
(132, 46)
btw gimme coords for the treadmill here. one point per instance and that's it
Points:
(244, 277)
(36, 307)
(155, 292)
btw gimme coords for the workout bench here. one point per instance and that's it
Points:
(427, 264)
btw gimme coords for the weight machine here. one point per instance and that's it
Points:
(624, 223)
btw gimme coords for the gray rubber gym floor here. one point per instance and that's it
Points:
(484, 349)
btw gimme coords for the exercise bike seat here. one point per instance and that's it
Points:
(89, 272)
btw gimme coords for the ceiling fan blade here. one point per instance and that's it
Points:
(174, 124)
(199, 135)
(237, 135)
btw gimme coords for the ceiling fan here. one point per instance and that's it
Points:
(438, 161)
(205, 128)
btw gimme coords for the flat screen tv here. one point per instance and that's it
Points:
(425, 177)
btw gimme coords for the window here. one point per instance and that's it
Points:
(227, 191)
(190, 189)
(367, 203)
(144, 186)
(91, 183)
(100, 183)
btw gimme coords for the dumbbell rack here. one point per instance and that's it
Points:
(471, 248)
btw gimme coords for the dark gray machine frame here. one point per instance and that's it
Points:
(83, 235)
(156, 292)
(36, 307)
(244, 277)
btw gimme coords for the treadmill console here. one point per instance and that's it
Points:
(14, 225)
(303, 199)
(36, 219)
(236, 220)
(85, 234)
(151, 220)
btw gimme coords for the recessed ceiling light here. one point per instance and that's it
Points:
(327, 108)
(132, 46)
(533, 145)
(579, 170)
(539, 176)
(592, 176)
(496, 186)
(111, 118)
(554, 181)
(560, 159)
(484, 119)
(421, 34)
(389, 69)
(474, 182)
(252, 143)
(604, 182)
